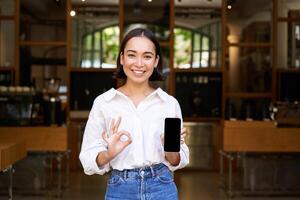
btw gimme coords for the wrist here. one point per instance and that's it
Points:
(103, 158)
(173, 158)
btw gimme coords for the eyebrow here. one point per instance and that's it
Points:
(147, 52)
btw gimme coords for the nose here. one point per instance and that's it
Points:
(139, 61)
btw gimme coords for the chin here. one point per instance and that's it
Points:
(139, 80)
(143, 78)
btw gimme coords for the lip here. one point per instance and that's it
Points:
(138, 72)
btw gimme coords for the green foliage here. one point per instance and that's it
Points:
(182, 47)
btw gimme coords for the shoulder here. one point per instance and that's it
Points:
(166, 97)
(106, 96)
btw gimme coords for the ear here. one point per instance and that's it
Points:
(156, 61)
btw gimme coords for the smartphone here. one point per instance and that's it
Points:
(172, 134)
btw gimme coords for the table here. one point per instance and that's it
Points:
(11, 152)
(38, 138)
(260, 137)
(50, 141)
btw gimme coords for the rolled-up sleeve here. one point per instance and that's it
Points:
(92, 142)
(184, 150)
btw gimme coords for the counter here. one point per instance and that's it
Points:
(50, 142)
(11, 152)
(259, 148)
(38, 138)
(259, 136)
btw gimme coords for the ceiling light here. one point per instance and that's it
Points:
(72, 13)
(229, 7)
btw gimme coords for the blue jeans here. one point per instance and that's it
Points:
(148, 183)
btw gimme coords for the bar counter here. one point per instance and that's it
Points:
(44, 138)
(262, 139)
(259, 136)
(11, 152)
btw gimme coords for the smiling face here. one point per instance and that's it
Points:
(139, 59)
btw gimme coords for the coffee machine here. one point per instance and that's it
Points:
(16, 105)
(52, 108)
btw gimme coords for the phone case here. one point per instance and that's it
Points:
(172, 134)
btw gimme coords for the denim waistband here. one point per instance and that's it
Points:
(144, 172)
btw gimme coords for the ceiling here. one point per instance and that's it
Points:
(54, 9)
(198, 3)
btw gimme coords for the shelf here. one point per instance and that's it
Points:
(289, 70)
(6, 69)
(202, 119)
(248, 95)
(3, 17)
(79, 114)
(43, 43)
(77, 69)
(288, 19)
(199, 70)
(251, 44)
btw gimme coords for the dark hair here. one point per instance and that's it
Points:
(138, 32)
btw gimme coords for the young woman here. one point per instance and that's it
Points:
(125, 127)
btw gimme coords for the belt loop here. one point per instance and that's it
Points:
(152, 171)
(125, 174)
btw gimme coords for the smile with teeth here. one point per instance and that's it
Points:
(138, 72)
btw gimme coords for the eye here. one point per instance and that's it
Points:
(131, 55)
(147, 57)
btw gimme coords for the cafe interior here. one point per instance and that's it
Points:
(233, 66)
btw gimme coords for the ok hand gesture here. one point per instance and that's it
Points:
(116, 140)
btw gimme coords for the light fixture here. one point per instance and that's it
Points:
(72, 13)
(149, 0)
(83, 0)
(230, 4)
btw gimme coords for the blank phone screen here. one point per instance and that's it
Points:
(172, 134)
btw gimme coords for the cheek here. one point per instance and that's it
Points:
(127, 62)
(150, 64)
(125, 69)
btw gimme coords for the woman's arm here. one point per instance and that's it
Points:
(179, 159)
(173, 158)
(115, 143)
(92, 142)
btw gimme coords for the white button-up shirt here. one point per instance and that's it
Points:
(145, 123)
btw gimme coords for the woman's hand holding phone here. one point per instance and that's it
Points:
(183, 135)
(173, 136)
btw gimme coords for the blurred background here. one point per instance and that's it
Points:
(233, 65)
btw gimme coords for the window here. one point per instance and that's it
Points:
(100, 48)
(197, 48)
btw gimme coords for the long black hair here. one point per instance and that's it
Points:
(138, 32)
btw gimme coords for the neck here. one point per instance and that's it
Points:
(137, 90)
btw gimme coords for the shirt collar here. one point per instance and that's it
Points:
(110, 94)
(162, 94)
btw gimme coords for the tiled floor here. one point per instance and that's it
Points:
(193, 186)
